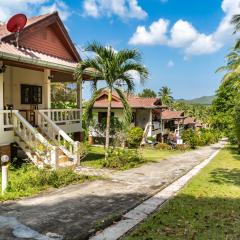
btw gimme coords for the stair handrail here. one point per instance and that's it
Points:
(29, 134)
(68, 146)
(145, 133)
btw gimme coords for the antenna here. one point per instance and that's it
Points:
(16, 24)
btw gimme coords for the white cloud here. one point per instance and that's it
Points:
(125, 9)
(32, 7)
(91, 8)
(59, 6)
(170, 64)
(11, 7)
(184, 35)
(156, 34)
(135, 75)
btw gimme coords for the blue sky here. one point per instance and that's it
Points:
(182, 42)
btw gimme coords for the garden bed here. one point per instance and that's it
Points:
(95, 157)
(27, 180)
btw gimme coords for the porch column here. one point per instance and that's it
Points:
(79, 105)
(151, 123)
(1, 99)
(47, 89)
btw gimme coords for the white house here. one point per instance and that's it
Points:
(146, 113)
(45, 54)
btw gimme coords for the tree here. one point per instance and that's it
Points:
(147, 93)
(63, 95)
(236, 22)
(227, 103)
(114, 68)
(165, 94)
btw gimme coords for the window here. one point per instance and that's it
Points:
(102, 116)
(31, 94)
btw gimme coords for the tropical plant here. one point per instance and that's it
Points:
(115, 69)
(134, 136)
(165, 94)
(231, 79)
(236, 22)
(63, 95)
(147, 93)
(123, 159)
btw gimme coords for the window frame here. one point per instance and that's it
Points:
(32, 92)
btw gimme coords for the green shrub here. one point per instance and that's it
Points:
(134, 137)
(200, 138)
(163, 146)
(28, 180)
(191, 138)
(122, 159)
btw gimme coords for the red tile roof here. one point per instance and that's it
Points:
(9, 50)
(23, 54)
(189, 120)
(134, 101)
(168, 114)
(3, 28)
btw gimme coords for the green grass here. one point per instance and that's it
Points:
(152, 155)
(95, 156)
(28, 180)
(207, 208)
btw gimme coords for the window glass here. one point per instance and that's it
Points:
(31, 94)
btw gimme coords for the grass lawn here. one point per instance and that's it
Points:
(207, 208)
(96, 156)
(28, 180)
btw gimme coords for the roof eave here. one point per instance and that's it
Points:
(41, 63)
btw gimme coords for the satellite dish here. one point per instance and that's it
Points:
(16, 24)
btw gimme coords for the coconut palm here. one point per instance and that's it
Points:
(236, 22)
(165, 94)
(115, 70)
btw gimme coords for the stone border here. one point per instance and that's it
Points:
(142, 211)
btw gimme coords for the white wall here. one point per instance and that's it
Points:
(13, 78)
(142, 117)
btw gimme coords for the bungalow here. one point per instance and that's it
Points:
(193, 123)
(172, 125)
(44, 54)
(146, 114)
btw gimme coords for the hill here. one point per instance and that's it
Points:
(205, 100)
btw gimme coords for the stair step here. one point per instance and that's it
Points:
(62, 159)
(66, 164)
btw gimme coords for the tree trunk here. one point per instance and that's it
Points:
(108, 119)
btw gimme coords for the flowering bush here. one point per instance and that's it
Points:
(122, 159)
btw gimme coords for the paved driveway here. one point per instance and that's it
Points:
(77, 211)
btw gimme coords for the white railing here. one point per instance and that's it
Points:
(58, 136)
(6, 119)
(46, 152)
(63, 116)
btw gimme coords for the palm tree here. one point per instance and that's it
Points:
(165, 94)
(236, 22)
(114, 68)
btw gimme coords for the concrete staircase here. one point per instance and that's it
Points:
(39, 147)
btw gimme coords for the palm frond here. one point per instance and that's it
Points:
(128, 55)
(237, 45)
(139, 68)
(127, 111)
(236, 21)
